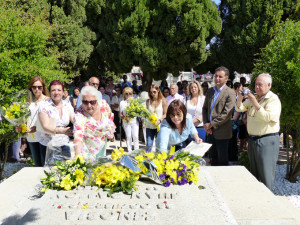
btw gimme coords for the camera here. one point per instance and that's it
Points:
(245, 92)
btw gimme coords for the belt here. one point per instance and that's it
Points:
(255, 137)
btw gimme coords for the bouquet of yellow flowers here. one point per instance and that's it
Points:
(170, 168)
(115, 178)
(66, 175)
(17, 114)
(136, 108)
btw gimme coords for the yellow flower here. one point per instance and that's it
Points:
(150, 155)
(79, 176)
(81, 159)
(139, 158)
(66, 183)
(9, 115)
(117, 153)
(85, 206)
(24, 128)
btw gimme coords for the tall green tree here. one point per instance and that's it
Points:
(160, 36)
(281, 58)
(248, 26)
(24, 53)
(70, 34)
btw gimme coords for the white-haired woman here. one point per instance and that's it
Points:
(131, 126)
(194, 103)
(93, 123)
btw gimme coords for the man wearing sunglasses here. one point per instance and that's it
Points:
(93, 81)
(217, 111)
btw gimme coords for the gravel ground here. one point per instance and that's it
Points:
(282, 187)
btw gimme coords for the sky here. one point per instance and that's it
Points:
(217, 1)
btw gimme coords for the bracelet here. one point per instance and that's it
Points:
(54, 131)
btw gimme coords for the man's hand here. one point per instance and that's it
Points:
(253, 100)
(208, 128)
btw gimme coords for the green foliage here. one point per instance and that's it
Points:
(160, 36)
(244, 160)
(248, 26)
(24, 54)
(281, 58)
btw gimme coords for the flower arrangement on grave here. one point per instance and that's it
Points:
(115, 178)
(66, 175)
(136, 108)
(180, 169)
(17, 114)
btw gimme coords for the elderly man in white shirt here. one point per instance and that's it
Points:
(173, 94)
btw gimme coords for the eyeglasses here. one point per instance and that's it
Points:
(179, 114)
(128, 94)
(95, 84)
(85, 102)
(153, 92)
(37, 87)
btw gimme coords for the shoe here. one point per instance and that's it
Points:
(11, 160)
(123, 140)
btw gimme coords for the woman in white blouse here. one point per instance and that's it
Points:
(194, 103)
(55, 115)
(157, 105)
(37, 92)
(131, 126)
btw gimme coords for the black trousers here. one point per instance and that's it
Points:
(218, 151)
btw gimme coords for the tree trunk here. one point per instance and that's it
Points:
(146, 81)
(294, 169)
(2, 164)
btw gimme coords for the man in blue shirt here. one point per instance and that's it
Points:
(93, 81)
(217, 110)
(125, 82)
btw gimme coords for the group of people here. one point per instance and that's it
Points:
(198, 113)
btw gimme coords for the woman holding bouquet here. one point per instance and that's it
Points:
(55, 115)
(157, 105)
(93, 124)
(130, 125)
(37, 92)
(194, 103)
(176, 128)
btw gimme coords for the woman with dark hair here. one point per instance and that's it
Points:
(157, 105)
(76, 93)
(37, 92)
(163, 85)
(176, 128)
(55, 115)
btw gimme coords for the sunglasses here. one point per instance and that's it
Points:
(179, 114)
(153, 92)
(128, 94)
(109, 80)
(85, 102)
(37, 87)
(95, 84)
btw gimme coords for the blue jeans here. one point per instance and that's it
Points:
(43, 150)
(36, 153)
(150, 134)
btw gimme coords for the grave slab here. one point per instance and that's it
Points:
(231, 196)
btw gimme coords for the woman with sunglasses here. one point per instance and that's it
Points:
(93, 124)
(176, 128)
(157, 105)
(37, 92)
(131, 126)
(55, 116)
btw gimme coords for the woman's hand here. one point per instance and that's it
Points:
(198, 140)
(18, 129)
(109, 134)
(32, 130)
